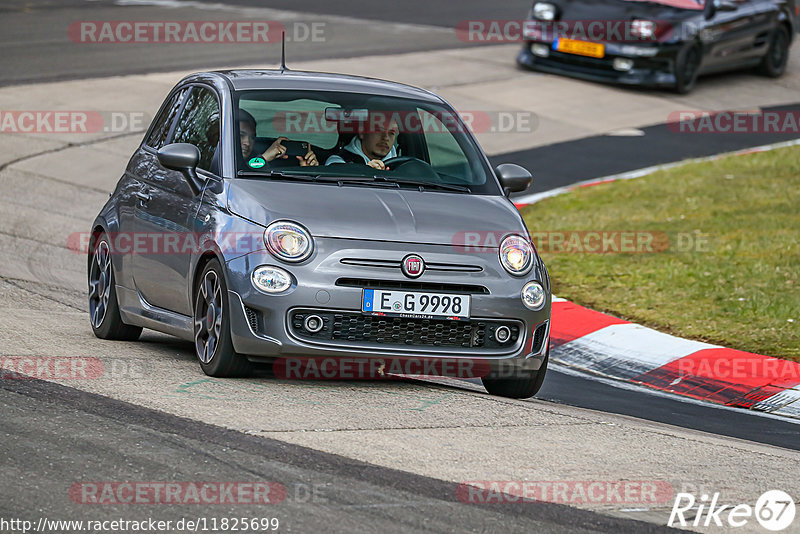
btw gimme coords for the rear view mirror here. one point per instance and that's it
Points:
(513, 178)
(184, 158)
(346, 115)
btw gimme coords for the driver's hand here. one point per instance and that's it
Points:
(309, 160)
(378, 164)
(276, 150)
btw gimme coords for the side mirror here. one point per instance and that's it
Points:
(726, 5)
(713, 6)
(184, 158)
(513, 178)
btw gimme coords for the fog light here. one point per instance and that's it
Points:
(533, 296)
(313, 323)
(502, 334)
(623, 64)
(540, 50)
(271, 279)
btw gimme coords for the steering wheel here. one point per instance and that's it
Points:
(421, 169)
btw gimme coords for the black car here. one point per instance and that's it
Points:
(660, 43)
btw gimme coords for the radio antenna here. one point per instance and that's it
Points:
(283, 52)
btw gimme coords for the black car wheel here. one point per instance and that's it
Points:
(522, 385)
(212, 335)
(774, 63)
(687, 67)
(103, 307)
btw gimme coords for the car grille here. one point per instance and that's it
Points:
(395, 264)
(253, 318)
(342, 327)
(407, 285)
(538, 338)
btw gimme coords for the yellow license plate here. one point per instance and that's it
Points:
(581, 48)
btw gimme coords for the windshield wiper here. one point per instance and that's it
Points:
(277, 174)
(354, 180)
(424, 185)
(341, 180)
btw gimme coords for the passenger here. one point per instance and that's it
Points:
(247, 136)
(371, 148)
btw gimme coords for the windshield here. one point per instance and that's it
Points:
(357, 138)
(681, 4)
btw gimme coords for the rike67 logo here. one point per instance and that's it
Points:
(774, 511)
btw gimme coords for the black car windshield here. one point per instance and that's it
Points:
(359, 138)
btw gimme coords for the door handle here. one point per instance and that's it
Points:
(143, 196)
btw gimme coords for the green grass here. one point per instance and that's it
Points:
(741, 290)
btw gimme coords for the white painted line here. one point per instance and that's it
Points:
(785, 403)
(625, 350)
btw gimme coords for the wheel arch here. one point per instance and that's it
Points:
(201, 263)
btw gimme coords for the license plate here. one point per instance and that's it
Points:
(581, 48)
(415, 304)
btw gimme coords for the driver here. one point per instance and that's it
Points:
(372, 147)
(247, 136)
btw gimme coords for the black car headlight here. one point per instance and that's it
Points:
(544, 11)
(516, 255)
(643, 29)
(288, 241)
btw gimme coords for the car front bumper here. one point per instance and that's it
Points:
(266, 326)
(657, 70)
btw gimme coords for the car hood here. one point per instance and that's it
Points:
(359, 212)
(591, 10)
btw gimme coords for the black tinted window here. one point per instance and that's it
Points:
(158, 136)
(199, 124)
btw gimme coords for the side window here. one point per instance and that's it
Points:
(445, 154)
(158, 136)
(199, 125)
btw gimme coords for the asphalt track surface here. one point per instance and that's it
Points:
(36, 45)
(107, 439)
(563, 164)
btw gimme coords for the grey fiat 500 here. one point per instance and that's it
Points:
(271, 215)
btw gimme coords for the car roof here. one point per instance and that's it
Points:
(255, 79)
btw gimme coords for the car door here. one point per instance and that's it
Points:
(167, 206)
(729, 36)
(141, 164)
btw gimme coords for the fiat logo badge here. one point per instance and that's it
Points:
(413, 266)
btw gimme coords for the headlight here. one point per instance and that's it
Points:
(533, 296)
(516, 255)
(643, 29)
(544, 11)
(271, 279)
(288, 241)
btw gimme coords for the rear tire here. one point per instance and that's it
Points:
(104, 313)
(774, 63)
(212, 332)
(687, 68)
(523, 385)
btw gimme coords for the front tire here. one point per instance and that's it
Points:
(774, 63)
(524, 384)
(687, 68)
(212, 333)
(103, 306)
